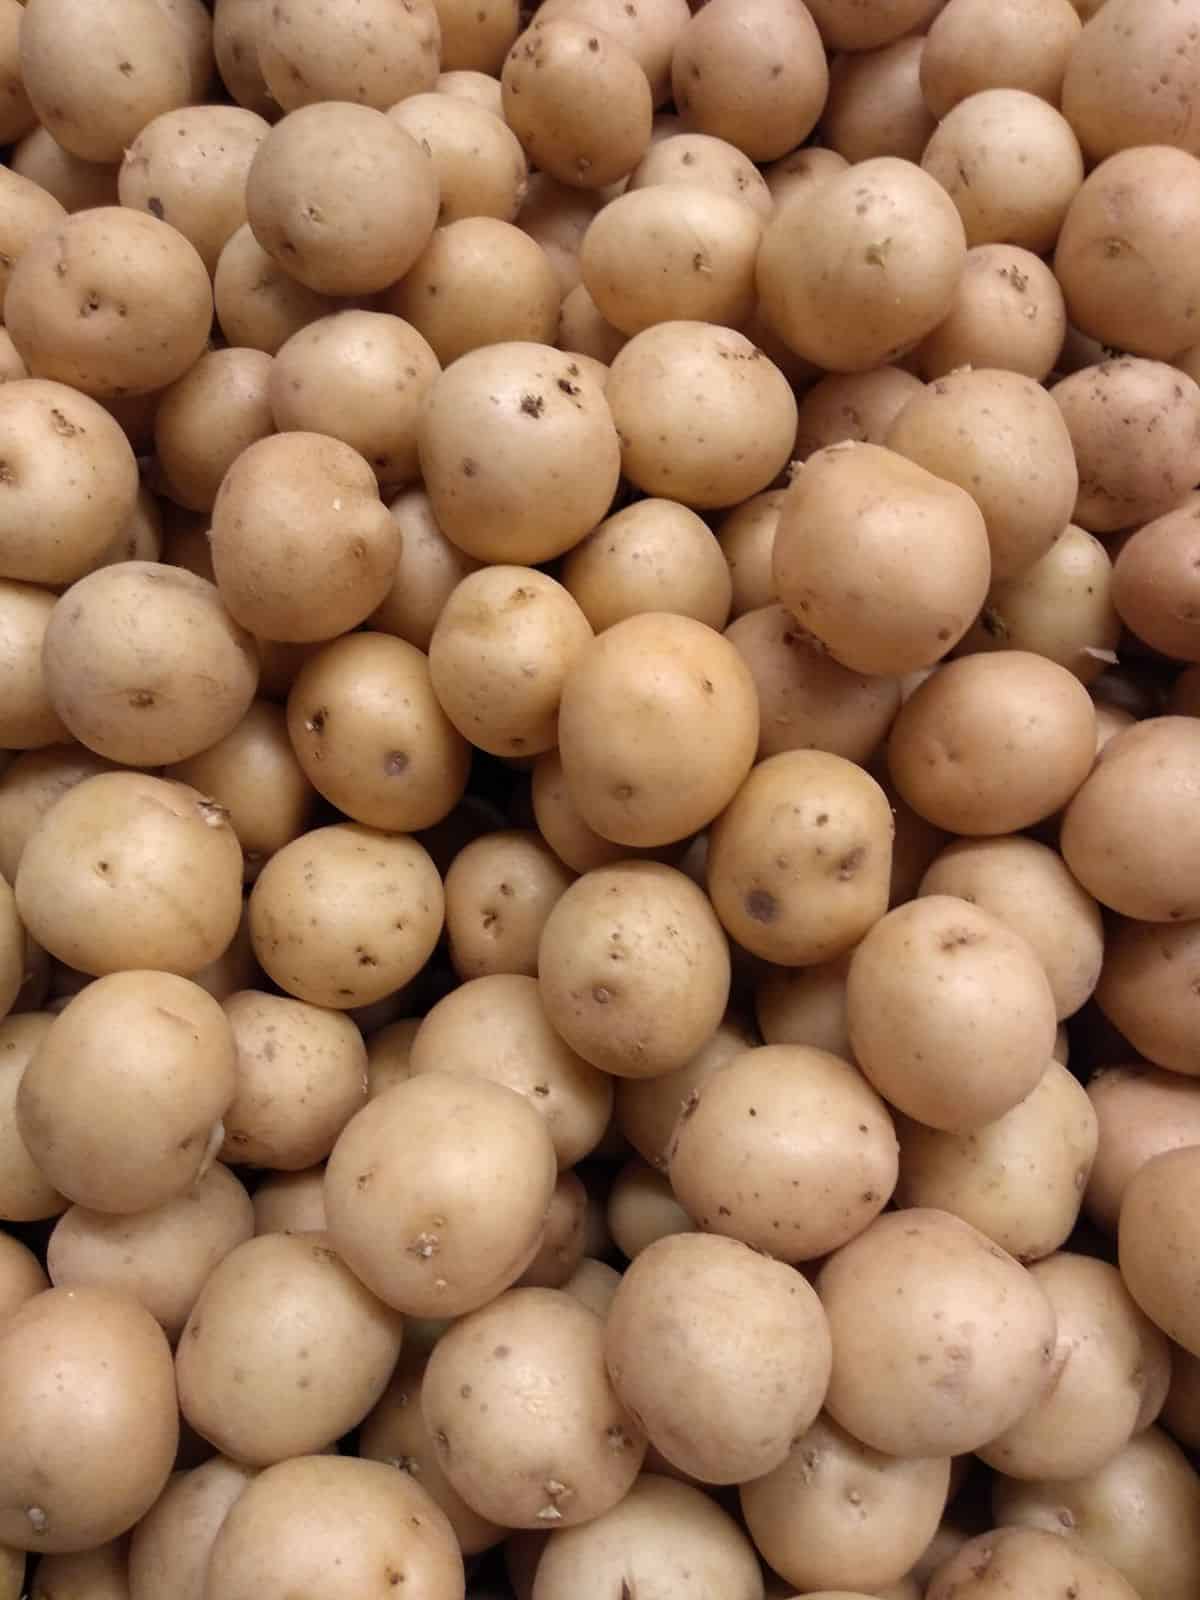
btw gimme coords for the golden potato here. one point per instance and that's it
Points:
(258, 305)
(746, 534)
(429, 569)
(653, 555)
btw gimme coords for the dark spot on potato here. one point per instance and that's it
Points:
(395, 762)
(155, 207)
(532, 405)
(593, 44)
(315, 721)
(851, 862)
(601, 995)
(761, 906)
(125, 68)
(142, 699)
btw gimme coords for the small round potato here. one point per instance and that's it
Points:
(731, 1299)
(1156, 1237)
(671, 251)
(641, 1208)
(561, 824)
(974, 45)
(291, 1202)
(373, 55)
(654, 555)
(1113, 91)
(951, 1014)
(941, 1341)
(91, 1109)
(1011, 164)
(476, 36)
(499, 891)
(144, 664)
(77, 185)
(28, 210)
(1110, 1371)
(111, 301)
(207, 418)
(704, 417)
(497, 1028)
(299, 514)
(650, 32)
(28, 719)
(480, 165)
(579, 102)
(1154, 584)
(32, 783)
(103, 876)
(25, 1194)
(312, 198)
(363, 1522)
(519, 453)
(567, 1461)
(853, 405)
(647, 1109)
(860, 507)
(564, 1236)
(1009, 1560)
(1000, 437)
(794, 1117)
(17, 116)
(634, 968)
(429, 569)
(747, 536)
(1020, 1179)
(805, 1005)
(170, 1547)
(371, 737)
(1142, 1112)
(359, 376)
(468, 83)
(1138, 860)
(875, 105)
(944, 747)
(556, 216)
(235, 46)
(836, 1511)
(658, 727)
(437, 1192)
(346, 914)
(262, 1363)
(1148, 991)
(799, 862)
(1007, 312)
(258, 305)
(1026, 886)
(864, 268)
(479, 281)
(502, 648)
(707, 162)
(96, 87)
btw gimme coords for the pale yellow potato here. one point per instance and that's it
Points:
(641, 1208)
(480, 165)
(207, 418)
(477, 34)
(28, 209)
(800, 171)
(235, 46)
(77, 185)
(974, 45)
(564, 1236)
(653, 555)
(805, 1005)
(290, 1202)
(876, 106)
(1142, 1112)
(30, 785)
(556, 215)
(1130, 78)
(257, 304)
(374, 54)
(707, 162)
(428, 571)
(646, 1110)
(28, 719)
(500, 889)
(852, 405)
(17, 116)
(747, 536)
(996, 1564)
(650, 31)
(1007, 312)
(468, 83)
(170, 1547)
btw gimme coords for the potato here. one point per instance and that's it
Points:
(464, 1244)
(278, 489)
(311, 197)
(556, 215)
(25, 1195)
(725, 82)
(1019, 1179)
(103, 875)
(1142, 1112)
(77, 185)
(170, 1546)
(371, 903)
(71, 478)
(871, 23)
(519, 453)
(564, 1238)
(805, 1005)
(161, 1256)
(502, 649)
(852, 405)
(1179, 1410)
(1153, 584)
(429, 569)
(32, 783)
(111, 301)
(671, 251)
(932, 1360)
(235, 46)
(28, 210)
(582, 331)
(662, 1532)
(145, 665)
(290, 1202)
(1011, 164)
(1026, 886)
(96, 82)
(650, 32)
(1110, 1372)
(1129, 80)
(1000, 437)
(756, 1403)
(864, 268)
(567, 1462)
(809, 1109)
(21, 1278)
(653, 555)
(480, 165)
(647, 1109)
(1137, 1512)
(658, 726)
(1147, 990)
(17, 116)
(746, 534)
(634, 969)
(497, 1028)
(806, 699)
(89, 1424)
(641, 1209)
(703, 160)
(99, 1574)
(207, 418)
(786, 885)
(468, 83)
(395, 1433)
(258, 305)
(924, 539)
(1006, 1560)
(836, 1511)
(499, 891)
(578, 101)
(875, 105)
(560, 823)
(375, 57)
(801, 171)
(27, 715)
(942, 750)
(1154, 1237)
(951, 1016)
(1128, 226)
(90, 1107)
(364, 1522)
(1134, 425)
(475, 37)
(1007, 312)
(1021, 44)
(1138, 864)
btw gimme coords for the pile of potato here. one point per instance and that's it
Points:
(599, 800)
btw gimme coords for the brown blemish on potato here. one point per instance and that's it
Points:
(761, 906)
